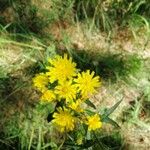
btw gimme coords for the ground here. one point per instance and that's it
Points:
(19, 60)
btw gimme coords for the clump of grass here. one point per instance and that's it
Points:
(26, 19)
(21, 126)
(29, 18)
(138, 113)
(27, 130)
(107, 14)
(93, 10)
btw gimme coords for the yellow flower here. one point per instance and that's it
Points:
(64, 120)
(48, 96)
(62, 68)
(66, 91)
(86, 83)
(94, 122)
(40, 81)
(76, 106)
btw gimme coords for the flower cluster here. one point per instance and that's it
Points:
(63, 84)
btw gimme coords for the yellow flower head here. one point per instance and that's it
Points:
(48, 96)
(76, 106)
(62, 68)
(40, 81)
(66, 90)
(93, 122)
(64, 120)
(86, 83)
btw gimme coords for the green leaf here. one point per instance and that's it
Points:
(89, 112)
(50, 117)
(110, 121)
(89, 103)
(88, 135)
(110, 110)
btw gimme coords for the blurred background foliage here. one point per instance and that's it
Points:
(34, 15)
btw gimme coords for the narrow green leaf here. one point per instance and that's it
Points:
(112, 122)
(89, 112)
(110, 110)
(89, 103)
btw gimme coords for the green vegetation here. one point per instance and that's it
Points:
(110, 37)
